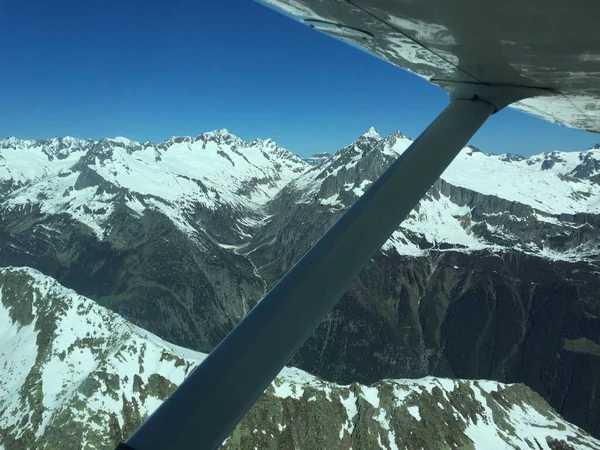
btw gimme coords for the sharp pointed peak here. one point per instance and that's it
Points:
(219, 132)
(371, 133)
(120, 140)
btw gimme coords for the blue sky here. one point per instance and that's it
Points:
(112, 68)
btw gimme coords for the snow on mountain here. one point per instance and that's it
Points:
(83, 179)
(544, 206)
(528, 182)
(76, 375)
(320, 181)
(317, 158)
(574, 164)
(372, 133)
(23, 161)
(217, 171)
(551, 192)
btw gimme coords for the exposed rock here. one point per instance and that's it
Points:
(81, 377)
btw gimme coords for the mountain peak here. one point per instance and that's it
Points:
(10, 142)
(220, 132)
(268, 142)
(220, 135)
(120, 140)
(371, 133)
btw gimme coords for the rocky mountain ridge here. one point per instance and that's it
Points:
(463, 286)
(214, 174)
(77, 376)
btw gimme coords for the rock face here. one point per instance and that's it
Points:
(475, 316)
(82, 377)
(493, 275)
(472, 285)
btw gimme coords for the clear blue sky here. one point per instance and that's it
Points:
(116, 68)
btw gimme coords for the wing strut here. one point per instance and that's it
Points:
(207, 406)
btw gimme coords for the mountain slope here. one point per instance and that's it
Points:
(481, 202)
(81, 377)
(144, 229)
(494, 275)
(471, 285)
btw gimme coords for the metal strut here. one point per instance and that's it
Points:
(207, 406)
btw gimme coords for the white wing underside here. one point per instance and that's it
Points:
(549, 44)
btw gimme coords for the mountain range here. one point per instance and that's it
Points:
(494, 275)
(78, 376)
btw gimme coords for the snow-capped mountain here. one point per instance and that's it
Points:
(494, 275)
(78, 376)
(213, 172)
(317, 158)
(116, 216)
(527, 204)
(584, 165)
(217, 172)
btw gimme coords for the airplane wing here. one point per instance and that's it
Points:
(547, 44)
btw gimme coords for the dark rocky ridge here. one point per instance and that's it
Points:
(146, 269)
(479, 315)
(86, 379)
(502, 315)
(506, 317)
